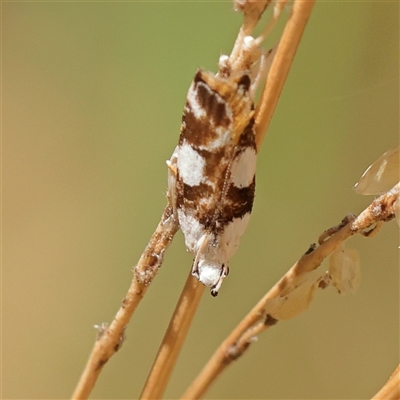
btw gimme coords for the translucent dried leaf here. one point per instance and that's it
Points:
(297, 300)
(344, 269)
(381, 175)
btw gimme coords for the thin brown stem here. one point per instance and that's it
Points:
(110, 339)
(281, 65)
(259, 319)
(173, 339)
(391, 389)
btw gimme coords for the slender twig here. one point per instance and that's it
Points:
(110, 338)
(281, 65)
(173, 339)
(391, 389)
(260, 318)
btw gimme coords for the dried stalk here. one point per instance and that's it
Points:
(173, 340)
(110, 338)
(391, 389)
(259, 318)
(281, 64)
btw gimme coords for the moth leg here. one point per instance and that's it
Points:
(224, 273)
(203, 242)
(260, 72)
(172, 165)
(279, 6)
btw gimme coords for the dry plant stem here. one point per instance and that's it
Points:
(280, 66)
(391, 389)
(146, 269)
(173, 339)
(381, 209)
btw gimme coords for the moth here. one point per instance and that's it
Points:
(211, 179)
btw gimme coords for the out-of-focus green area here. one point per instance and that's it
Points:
(92, 99)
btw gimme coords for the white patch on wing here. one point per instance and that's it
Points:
(191, 229)
(243, 168)
(198, 111)
(231, 235)
(190, 165)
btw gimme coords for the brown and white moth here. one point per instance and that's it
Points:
(212, 170)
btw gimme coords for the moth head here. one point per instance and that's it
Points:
(212, 273)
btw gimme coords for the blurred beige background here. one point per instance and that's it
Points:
(92, 99)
